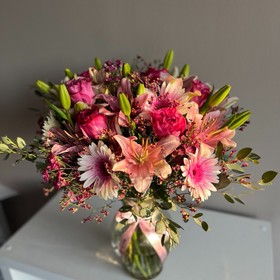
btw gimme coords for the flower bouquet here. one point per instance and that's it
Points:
(153, 138)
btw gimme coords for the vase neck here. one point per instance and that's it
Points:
(141, 207)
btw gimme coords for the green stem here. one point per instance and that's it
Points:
(137, 261)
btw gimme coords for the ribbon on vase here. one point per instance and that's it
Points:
(146, 227)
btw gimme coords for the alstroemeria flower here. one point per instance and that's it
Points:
(201, 171)
(142, 162)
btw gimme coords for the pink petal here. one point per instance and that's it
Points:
(128, 145)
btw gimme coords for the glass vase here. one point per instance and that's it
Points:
(134, 238)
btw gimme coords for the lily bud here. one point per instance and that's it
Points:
(238, 119)
(45, 88)
(168, 59)
(141, 89)
(69, 73)
(125, 105)
(185, 71)
(64, 97)
(219, 96)
(98, 63)
(80, 106)
(126, 69)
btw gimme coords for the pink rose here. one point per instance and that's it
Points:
(80, 89)
(92, 123)
(167, 121)
(197, 85)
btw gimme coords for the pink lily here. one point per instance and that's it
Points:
(144, 161)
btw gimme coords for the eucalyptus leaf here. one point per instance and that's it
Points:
(251, 186)
(223, 181)
(204, 225)
(174, 236)
(125, 208)
(235, 168)
(197, 221)
(243, 153)
(160, 227)
(254, 158)
(165, 205)
(228, 198)
(238, 200)
(162, 240)
(198, 215)
(268, 176)
(175, 224)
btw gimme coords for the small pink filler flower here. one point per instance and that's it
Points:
(201, 171)
(97, 170)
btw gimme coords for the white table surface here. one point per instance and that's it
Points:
(54, 245)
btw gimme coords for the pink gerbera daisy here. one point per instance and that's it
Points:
(97, 170)
(201, 171)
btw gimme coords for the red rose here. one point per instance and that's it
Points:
(167, 121)
(80, 89)
(91, 123)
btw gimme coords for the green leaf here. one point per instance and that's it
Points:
(219, 150)
(243, 153)
(123, 222)
(6, 156)
(162, 240)
(58, 111)
(21, 143)
(160, 227)
(165, 205)
(268, 176)
(250, 186)
(238, 120)
(223, 182)
(174, 236)
(197, 221)
(254, 158)
(173, 228)
(125, 208)
(228, 198)
(235, 167)
(204, 225)
(198, 215)
(238, 200)
(219, 96)
(175, 224)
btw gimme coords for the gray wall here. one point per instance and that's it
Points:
(235, 42)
